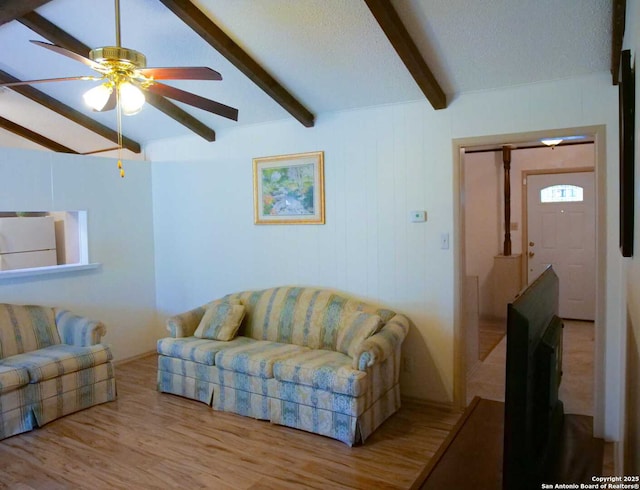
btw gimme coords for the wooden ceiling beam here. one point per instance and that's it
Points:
(12, 9)
(33, 136)
(211, 33)
(54, 34)
(617, 36)
(68, 112)
(183, 117)
(409, 53)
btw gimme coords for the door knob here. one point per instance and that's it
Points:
(531, 254)
(531, 244)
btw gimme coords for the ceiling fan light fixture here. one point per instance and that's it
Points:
(97, 97)
(131, 98)
(551, 141)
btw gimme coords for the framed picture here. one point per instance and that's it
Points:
(289, 189)
(627, 158)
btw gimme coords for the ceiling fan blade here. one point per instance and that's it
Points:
(181, 73)
(47, 80)
(69, 54)
(194, 100)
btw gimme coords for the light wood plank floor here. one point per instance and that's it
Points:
(576, 389)
(150, 440)
(490, 333)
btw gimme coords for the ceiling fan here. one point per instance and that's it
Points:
(125, 77)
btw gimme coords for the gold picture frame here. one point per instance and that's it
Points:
(289, 189)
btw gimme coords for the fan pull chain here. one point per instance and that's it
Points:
(119, 117)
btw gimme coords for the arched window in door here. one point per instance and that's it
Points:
(562, 193)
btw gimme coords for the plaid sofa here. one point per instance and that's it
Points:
(51, 364)
(306, 358)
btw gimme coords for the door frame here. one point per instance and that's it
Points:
(598, 132)
(525, 206)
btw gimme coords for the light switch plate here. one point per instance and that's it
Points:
(417, 216)
(444, 241)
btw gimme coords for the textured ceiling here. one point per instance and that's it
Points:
(329, 54)
(487, 44)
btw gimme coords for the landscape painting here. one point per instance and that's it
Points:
(289, 189)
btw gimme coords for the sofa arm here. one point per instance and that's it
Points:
(378, 347)
(184, 324)
(78, 330)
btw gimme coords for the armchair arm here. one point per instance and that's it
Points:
(381, 345)
(184, 324)
(78, 330)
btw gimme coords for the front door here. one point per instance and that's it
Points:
(561, 232)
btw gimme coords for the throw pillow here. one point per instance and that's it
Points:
(225, 299)
(355, 328)
(220, 322)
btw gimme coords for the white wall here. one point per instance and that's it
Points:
(483, 194)
(380, 163)
(121, 292)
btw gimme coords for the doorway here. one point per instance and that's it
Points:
(560, 231)
(461, 148)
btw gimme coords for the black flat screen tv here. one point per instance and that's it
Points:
(533, 412)
(627, 98)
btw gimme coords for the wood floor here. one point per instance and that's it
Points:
(150, 440)
(576, 389)
(490, 333)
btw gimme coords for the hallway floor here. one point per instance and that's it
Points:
(576, 389)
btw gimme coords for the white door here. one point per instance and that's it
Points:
(561, 232)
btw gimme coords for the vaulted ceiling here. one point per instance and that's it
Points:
(286, 59)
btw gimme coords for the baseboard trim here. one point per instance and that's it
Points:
(445, 406)
(133, 358)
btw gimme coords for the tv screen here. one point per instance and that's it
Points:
(627, 159)
(533, 411)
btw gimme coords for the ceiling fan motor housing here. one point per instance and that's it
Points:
(122, 57)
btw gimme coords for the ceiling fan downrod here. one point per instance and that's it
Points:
(121, 60)
(117, 8)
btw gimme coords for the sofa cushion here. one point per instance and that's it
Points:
(26, 328)
(354, 329)
(324, 370)
(12, 378)
(197, 350)
(256, 358)
(57, 360)
(304, 316)
(220, 322)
